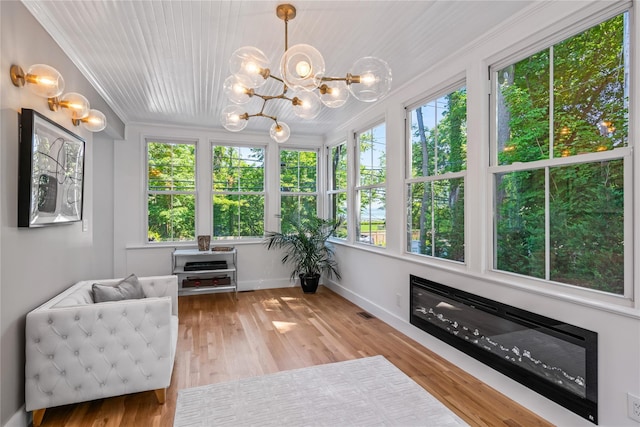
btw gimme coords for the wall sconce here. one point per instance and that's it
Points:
(44, 80)
(95, 121)
(41, 79)
(75, 105)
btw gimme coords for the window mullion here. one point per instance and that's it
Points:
(551, 104)
(547, 226)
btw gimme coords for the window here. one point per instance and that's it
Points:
(337, 186)
(298, 184)
(238, 192)
(438, 147)
(370, 188)
(171, 191)
(560, 158)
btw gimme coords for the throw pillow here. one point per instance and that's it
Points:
(127, 288)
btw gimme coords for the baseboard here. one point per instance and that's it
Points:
(254, 285)
(21, 418)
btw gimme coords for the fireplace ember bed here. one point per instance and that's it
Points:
(553, 358)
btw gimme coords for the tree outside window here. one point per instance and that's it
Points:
(438, 148)
(560, 158)
(337, 187)
(238, 192)
(171, 191)
(298, 185)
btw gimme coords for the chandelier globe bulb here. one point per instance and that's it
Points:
(279, 132)
(237, 89)
(334, 94)
(375, 79)
(302, 67)
(306, 105)
(234, 118)
(251, 63)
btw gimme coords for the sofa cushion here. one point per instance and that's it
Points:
(127, 288)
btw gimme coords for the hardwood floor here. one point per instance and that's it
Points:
(267, 331)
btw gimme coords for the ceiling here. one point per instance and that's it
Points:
(166, 61)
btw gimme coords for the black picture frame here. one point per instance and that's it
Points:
(50, 172)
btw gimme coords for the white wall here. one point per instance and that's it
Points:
(373, 277)
(39, 263)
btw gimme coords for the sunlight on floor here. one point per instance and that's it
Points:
(283, 327)
(271, 304)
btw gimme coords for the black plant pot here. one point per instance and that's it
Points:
(309, 283)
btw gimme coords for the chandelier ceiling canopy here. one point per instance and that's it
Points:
(303, 82)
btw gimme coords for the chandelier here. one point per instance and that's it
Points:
(304, 84)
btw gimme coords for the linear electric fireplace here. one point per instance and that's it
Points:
(555, 359)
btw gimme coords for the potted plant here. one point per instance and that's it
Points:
(306, 249)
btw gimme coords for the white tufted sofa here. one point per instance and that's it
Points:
(77, 351)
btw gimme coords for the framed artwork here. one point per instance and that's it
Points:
(51, 172)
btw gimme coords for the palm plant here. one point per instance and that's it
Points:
(306, 247)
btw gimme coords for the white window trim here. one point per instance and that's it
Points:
(316, 194)
(163, 140)
(444, 90)
(330, 192)
(357, 187)
(549, 287)
(212, 192)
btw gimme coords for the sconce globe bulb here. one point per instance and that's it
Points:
(95, 121)
(75, 105)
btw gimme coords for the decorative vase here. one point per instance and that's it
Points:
(309, 283)
(203, 243)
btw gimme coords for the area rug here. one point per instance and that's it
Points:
(360, 392)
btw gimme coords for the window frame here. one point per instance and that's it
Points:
(357, 187)
(299, 194)
(212, 192)
(447, 176)
(332, 192)
(171, 141)
(625, 154)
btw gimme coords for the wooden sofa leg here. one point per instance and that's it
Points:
(161, 395)
(38, 415)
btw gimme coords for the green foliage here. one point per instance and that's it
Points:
(306, 245)
(298, 184)
(298, 171)
(439, 146)
(238, 215)
(238, 187)
(585, 200)
(171, 186)
(373, 172)
(339, 167)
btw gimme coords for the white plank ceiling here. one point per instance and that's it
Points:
(166, 61)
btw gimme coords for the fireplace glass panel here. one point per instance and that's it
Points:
(556, 359)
